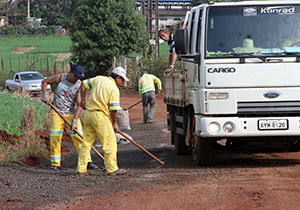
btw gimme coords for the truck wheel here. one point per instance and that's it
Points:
(180, 146)
(201, 150)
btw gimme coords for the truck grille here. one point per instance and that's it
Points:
(272, 108)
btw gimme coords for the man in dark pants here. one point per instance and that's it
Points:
(147, 91)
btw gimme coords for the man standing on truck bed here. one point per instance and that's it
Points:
(67, 100)
(166, 36)
(104, 100)
(147, 91)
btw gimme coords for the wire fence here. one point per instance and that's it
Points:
(34, 64)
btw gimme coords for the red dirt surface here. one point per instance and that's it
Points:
(6, 138)
(234, 180)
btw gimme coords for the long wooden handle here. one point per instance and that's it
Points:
(136, 144)
(137, 103)
(69, 124)
(133, 105)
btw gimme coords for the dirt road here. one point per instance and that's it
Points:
(233, 181)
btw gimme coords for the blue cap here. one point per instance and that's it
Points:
(78, 71)
(144, 72)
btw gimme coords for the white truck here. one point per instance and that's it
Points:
(30, 81)
(239, 87)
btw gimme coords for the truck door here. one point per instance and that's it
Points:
(193, 78)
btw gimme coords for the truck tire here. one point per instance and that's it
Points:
(180, 146)
(201, 150)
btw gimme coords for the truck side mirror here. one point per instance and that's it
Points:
(181, 41)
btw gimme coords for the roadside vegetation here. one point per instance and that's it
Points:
(22, 116)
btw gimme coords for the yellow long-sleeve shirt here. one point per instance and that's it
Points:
(105, 94)
(147, 83)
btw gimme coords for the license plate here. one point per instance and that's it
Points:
(272, 124)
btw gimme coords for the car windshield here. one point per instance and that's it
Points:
(259, 30)
(31, 76)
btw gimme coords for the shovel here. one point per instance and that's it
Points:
(136, 144)
(76, 131)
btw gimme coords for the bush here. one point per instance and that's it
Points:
(19, 31)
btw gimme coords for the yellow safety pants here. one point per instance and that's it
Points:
(57, 129)
(97, 124)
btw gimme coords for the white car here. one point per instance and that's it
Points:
(30, 81)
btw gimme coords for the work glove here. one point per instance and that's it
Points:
(45, 97)
(74, 124)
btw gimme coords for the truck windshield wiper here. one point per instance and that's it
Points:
(242, 56)
(263, 58)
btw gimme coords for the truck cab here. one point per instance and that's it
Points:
(240, 81)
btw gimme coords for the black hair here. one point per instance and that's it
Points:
(114, 76)
(163, 30)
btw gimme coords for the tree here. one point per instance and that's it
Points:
(102, 29)
(54, 12)
(9, 9)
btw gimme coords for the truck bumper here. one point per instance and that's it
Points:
(209, 127)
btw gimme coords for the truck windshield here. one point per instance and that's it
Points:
(260, 30)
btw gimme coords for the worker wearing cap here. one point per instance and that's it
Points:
(166, 36)
(147, 91)
(67, 99)
(104, 101)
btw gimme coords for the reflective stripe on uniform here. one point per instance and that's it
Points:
(88, 84)
(56, 132)
(55, 158)
(114, 105)
(73, 133)
(147, 89)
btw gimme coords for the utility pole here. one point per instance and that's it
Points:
(28, 15)
(149, 19)
(156, 30)
(143, 7)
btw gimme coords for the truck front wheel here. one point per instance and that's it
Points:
(201, 150)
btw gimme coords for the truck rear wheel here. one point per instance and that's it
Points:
(201, 150)
(180, 146)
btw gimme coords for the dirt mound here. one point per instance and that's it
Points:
(46, 136)
(6, 138)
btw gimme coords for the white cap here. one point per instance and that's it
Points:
(121, 72)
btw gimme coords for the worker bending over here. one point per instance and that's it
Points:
(104, 100)
(67, 101)
(147, 91)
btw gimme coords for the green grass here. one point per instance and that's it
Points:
(44, 46)
(11, 109)
(164, 49)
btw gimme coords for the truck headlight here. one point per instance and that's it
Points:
(228, 127)
(215, 96)
(213, 127)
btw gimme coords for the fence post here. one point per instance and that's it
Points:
(55, 67)
(27, 66)
(2, 63)
(48, 65)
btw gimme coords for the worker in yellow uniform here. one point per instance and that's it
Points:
(147, 91)
(104, 101)
(67, 101)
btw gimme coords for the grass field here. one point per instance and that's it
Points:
(14, 59)
(11, 109)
